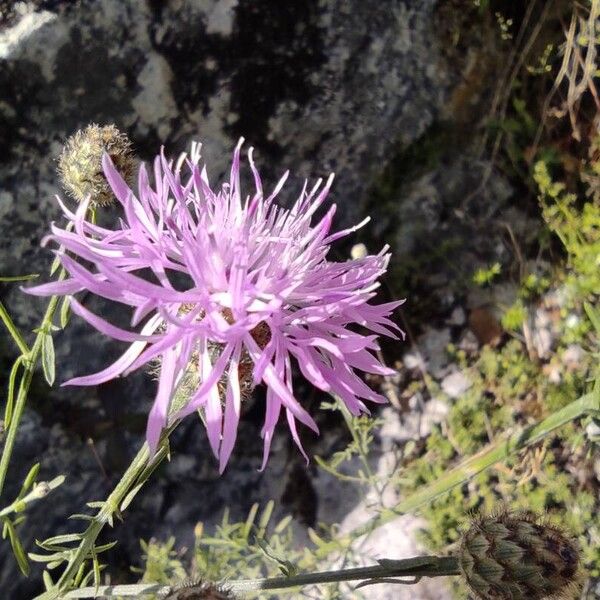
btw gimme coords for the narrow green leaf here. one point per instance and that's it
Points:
(48, 359)
(55, 265)
(130, 496)
(17, 549)
(250, 520)
(13, 330)
(282, 524)
(105, 547)
(50, 558)
(86, 580)
(80, 573)
(19, 278)
(56, 482)
(65, 311)
(593, 315)
(48, 583)
(96, 565)
(314, 538)
(59, 539)
(17, 520)
(12, 379)
(265, 517)
(31, 476)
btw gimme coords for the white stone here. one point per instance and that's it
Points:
(456, 384)
(414, 360)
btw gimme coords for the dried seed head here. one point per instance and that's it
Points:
(80, 164)
(519, 556)
(200, 590)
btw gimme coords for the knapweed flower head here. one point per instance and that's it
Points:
(519, 555)
(241, 289)
(200, 590)
(80, 164)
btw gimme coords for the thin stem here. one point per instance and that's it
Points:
(364, 459)
(488, 457)
(136, 471)
(421, 566)
(40, 490)
(29, 364)
(12, 329)
(111, 505)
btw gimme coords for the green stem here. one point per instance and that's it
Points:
(137, 470)
(110, 507)
(12, 329)
(385, 571)
(29, 364)
(364, 459)
(488, 457)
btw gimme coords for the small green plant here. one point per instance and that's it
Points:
(486, 276)
(162, 563)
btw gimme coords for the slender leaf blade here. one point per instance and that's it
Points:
(48, 358)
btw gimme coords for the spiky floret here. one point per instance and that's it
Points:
(519, 556)
(80, 164)
(229, 289)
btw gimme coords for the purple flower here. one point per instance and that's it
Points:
(239, 288)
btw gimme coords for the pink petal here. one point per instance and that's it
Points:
(111, 330)
(232, 411)
(158, 415)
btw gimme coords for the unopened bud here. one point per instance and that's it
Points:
(42, 489)
(80, 164)
(518, 556)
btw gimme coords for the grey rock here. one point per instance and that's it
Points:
(457, 317)
(433, 344)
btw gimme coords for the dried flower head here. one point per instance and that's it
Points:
(200, 590)
(519, 556)
(240, 287)
(80, 164)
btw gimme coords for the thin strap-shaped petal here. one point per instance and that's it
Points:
(117, 183)
(199, 397)
(55, 288)
(274, 380)
(292, 425)
(233, 403)
(366, 362)
(213, 411)
(111, 330)
(271, 417)
(112, 371)
(158, 415)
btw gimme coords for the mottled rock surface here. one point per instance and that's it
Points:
(357, 87)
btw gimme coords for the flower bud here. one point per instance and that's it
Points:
(518, 556)
(80, 164)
